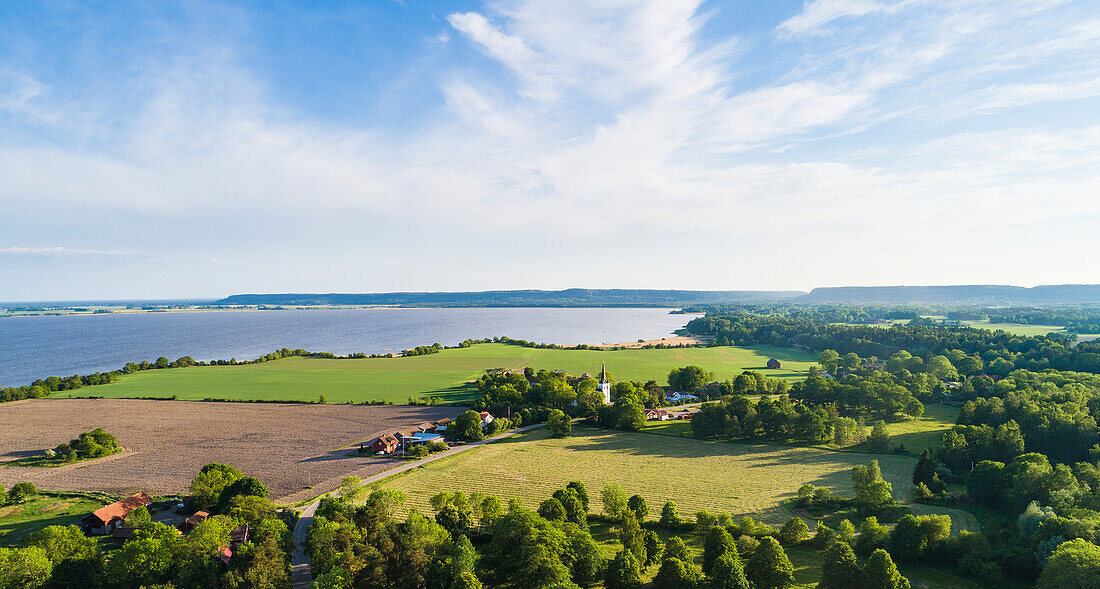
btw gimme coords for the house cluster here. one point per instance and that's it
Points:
(421, 434)
(108, 520)
(666, 415)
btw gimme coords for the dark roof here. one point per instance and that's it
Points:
(239, 534)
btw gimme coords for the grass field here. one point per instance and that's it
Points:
(740, 479)
(446, 375)
(1017, 328)
(17, 522)
(734, 478)
(926, 432)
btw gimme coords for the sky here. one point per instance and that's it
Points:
(194, 149)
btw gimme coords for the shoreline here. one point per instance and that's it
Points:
(63, 312)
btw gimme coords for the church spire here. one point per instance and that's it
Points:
(603, 373)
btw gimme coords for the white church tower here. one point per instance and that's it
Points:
(605, 385)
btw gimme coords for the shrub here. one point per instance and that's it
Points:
(670, 516)
(20, 492)
(746, 545)
(794, 531)
(675, 548)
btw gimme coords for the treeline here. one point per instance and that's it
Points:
(1000, 352)
(158, 555)
(473, 541)
(1075, 319)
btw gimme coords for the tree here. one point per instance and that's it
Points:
(558, 424)
(20, 492)
(637, 504)
(688, 378)
(988, 483)
(467, 580)
(881, 573)
(139, 562)
(137, 518)
(335, 578)
(794, 531)
(1074, 564)
(213, 478)
(629, 415)
(466, 426)
(840, 570)
(845, 531)
(676, 574)
(526, 550)
(728, 572)
(582, 556)
(552, 509)
(871, 489)
(242, 487)
(769, 567)
(828, 359)
(879, 438)
(670, 516)
(925, 470)
(717, 543)
(581, 491)
(614, 500)
(463, 557)
(24, 568)
(491, 510)
(675, 548)
(65, 543)
(624, 572)
(653, 548)
(631, 536)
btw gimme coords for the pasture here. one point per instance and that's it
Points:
(18, 522)
(740, 479)
(447, 375)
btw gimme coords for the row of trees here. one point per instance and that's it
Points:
(919, 339)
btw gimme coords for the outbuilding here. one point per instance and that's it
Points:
(108, 518)
(773, 364)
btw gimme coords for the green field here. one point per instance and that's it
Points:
(740, 479)
(1017, 328)
(17, 522)
(447, 375)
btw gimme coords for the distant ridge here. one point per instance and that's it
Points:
(992, 294)
(572, 297)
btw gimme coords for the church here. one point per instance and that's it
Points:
(605, 385)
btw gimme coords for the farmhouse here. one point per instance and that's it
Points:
(656, 415)
(486, 418)
(107, 519)
(773, 364)
(384, 444)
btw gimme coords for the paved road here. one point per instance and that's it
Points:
(300, 572)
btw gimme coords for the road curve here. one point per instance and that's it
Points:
(300, 572)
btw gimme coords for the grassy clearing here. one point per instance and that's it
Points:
(18, 522)
(926, 432)
(741, 479)
(1017, 328)
(446, 375)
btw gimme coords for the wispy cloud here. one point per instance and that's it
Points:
(59, 251)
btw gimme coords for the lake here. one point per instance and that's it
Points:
(37, 347)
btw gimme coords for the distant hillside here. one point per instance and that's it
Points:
(573, 297)
(969, 294)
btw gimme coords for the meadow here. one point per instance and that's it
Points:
(740, 479)
(447, 375)
(18, 522)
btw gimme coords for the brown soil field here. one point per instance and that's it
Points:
(289, 447)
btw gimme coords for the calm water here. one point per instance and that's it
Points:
(37, 347)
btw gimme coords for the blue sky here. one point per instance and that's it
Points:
(160, 150)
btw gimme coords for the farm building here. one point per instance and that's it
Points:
(108, 518)
(197, 518)
(773, 364)
(384, 444)
(656, 415)
(238, 535)
(486, 418)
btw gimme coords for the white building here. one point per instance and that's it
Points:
(605, 385)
